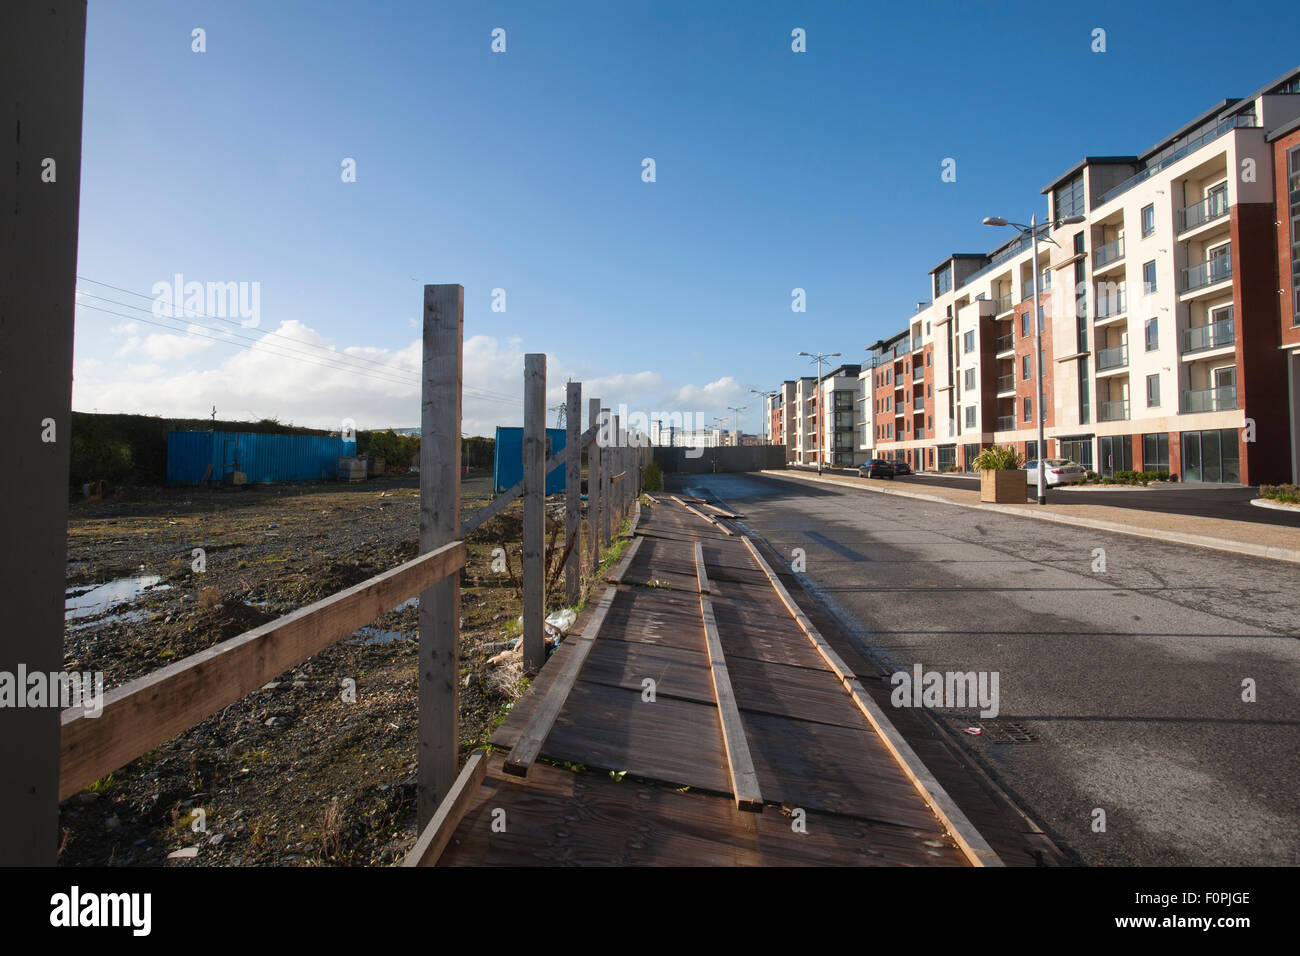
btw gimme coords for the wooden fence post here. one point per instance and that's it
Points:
(616, 455)
(593, 485)
(605, 487)
(440, 454)
(42, 70)
(534, 510)
(572, 492)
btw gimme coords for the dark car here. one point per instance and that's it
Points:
(876, 468)
(901, 467)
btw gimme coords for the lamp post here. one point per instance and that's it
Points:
(821, 412)
(766, 423)
(737, 409)
(1035, 229)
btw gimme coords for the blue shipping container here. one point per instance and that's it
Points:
(508, 461)
(264, 459)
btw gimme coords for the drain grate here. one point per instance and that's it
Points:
(1007, 732)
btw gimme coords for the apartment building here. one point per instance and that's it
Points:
(808, 434)
(1167, 318)
(1285, 141)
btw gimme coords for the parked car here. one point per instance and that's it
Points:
(1058, 471)
(901, 467)
(876, 468)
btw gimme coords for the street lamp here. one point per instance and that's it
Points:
(821, 412)
(766, 423)
(1034, 230)
(737, 410)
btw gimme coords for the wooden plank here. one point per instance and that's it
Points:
(967, 837)
(572, 492)
(593, 485)
(534, 543)
(428, 848)
(833, 660)
(744, 782)
(150, 710)
(437, 751)
(606, 491)
(616, 575)
(530, 742)
(499, 503)
(699, 514)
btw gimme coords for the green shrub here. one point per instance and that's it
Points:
(396, 450)
(651, 478)
(998, 458)
(1287, 494)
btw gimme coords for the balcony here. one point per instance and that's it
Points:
(1004, 304)
(919, 405)
(1215, 335)
(1109, 253)
(918, 373)
(1212, 207)
(1114, 411)
(1203, 274)
(1111, 306)
(1191, 146)
(1112, 358)
(1006, 423)
(1044, 286)
(1005, 343)
(1221, 399)
(1006, 383)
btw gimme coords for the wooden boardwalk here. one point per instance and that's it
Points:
(704, 721)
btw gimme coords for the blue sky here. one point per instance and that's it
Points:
(522, 171)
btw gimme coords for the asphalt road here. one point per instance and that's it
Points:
(1131, 678)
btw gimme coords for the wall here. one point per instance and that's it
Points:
(744, 458)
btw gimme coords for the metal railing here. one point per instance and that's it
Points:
(1206, 273)
(1006, 423)
(1213, 206)
(918, 373)
(1007, 383)
(1005, 343)
(1004, 304)
(1116, 357)
(1104, 255)
(1190, 147)
(1212, 336)
(1114, 411)
(1218, 399)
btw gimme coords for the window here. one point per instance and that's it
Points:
(1029, 409)
(970, 416)
(1069, 198)
(943, 280)
(1078, 244)
(968, 341)
(1148, 220)
(1155, 452)
(1077, 450)
(1153, 334)
(1024, 368)
(929, 391)
(970, 379)
(1024, 324)
(929, 356)
(1153, 391)
(1148, 277)
(1085, 403)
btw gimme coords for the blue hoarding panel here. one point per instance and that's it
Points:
(508, 460)
(262, 458)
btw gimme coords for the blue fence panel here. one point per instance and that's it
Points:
(508, 459)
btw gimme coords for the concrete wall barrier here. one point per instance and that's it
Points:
(741, 458)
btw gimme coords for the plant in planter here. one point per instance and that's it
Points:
(1001, 480)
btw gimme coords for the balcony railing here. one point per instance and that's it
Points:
(1206, 273)
(1227, 126)
(1104, 255)
(918, 373)
(1114, 411)
(1006, 383)
(1218, 399)
(1005, 304)
(1213, 206)
(1212, 336)
(1109, 306)
(1005, 343)
(919, 404)
(1112, 358)
(1006, 423)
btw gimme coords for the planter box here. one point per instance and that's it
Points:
(1004, 487)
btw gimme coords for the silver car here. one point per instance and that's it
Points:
(1058, 471)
